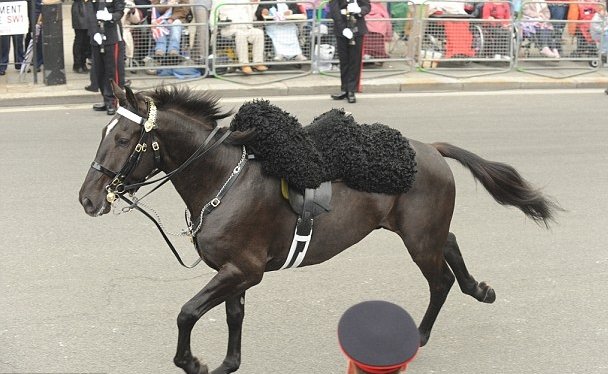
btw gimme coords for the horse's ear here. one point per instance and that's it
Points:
(131, 97)
(119, 94)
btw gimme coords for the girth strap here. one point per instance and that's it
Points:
(314, 202)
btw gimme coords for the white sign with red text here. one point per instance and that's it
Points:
(13, 18)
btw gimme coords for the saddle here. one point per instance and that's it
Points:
(311, 203)
(369, 158)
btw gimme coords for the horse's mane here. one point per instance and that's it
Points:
(198, 104)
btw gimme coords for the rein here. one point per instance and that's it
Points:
(117, 188)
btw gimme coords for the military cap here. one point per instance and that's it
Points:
(378, 336)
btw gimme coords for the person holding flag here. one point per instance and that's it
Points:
(108, 49)
(167, 25)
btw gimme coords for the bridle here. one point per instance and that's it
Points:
(117, 185)
(117, 188)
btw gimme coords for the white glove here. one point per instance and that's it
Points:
(348, 33)
(103, 15)
(98, 38)
(353, 8)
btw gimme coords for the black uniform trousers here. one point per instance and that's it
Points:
(81, 49)
(109, 66)
(350, 62)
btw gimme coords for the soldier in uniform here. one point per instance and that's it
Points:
(349, 28)
(108, 49)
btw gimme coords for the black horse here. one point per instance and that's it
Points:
(248, 226)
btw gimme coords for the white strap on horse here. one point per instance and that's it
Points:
(148, 123)
(129, 115)
(297, 251)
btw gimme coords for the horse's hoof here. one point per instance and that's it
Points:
(227, 367)
(489, 296)
(424, 338)
(202, 368)
(223, 370)
(195, 367)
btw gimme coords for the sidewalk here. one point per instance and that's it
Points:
(13, 92)
(73, 91)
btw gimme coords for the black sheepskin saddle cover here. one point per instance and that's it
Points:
(370, 158)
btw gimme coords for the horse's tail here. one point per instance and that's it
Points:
(504, 183)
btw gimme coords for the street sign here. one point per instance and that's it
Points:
(13, 18)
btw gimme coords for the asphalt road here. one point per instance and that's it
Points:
(84, 295)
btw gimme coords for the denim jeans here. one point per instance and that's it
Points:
(558, 13)
(171, 42)
(5, 46)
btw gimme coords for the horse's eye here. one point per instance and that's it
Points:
(122, 142)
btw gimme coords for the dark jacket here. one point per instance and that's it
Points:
(79, 15)
(341, 21)
(113, 28)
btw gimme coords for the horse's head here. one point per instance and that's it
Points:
(127, 153)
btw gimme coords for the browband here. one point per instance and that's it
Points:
(148, 123)
(130, 115)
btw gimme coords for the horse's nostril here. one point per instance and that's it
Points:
(87, 205)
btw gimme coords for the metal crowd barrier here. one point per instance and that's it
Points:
(386, 47)
(287, 44)
(454, 38)
(578, 42)
(142, 58)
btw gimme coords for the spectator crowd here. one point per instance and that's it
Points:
(254, 34)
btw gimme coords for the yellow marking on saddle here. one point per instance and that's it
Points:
(284, 189)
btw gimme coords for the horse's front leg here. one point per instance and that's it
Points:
(235, 312)
(228, 282)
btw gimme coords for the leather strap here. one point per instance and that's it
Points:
(162, 232)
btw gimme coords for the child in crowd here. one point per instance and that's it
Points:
(536, 25)
(167, 25)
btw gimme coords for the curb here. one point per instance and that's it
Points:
(74, 93)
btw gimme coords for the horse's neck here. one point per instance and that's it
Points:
(198, 183)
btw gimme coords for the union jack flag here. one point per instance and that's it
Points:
(157, 20)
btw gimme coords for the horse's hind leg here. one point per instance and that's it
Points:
(426, 248)
(468, 285)
(440, 279)
(235, 312)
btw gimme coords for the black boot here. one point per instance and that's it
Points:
(351, 98)
(100, 107)
(341, 96)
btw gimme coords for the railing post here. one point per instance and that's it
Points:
(52, 43)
